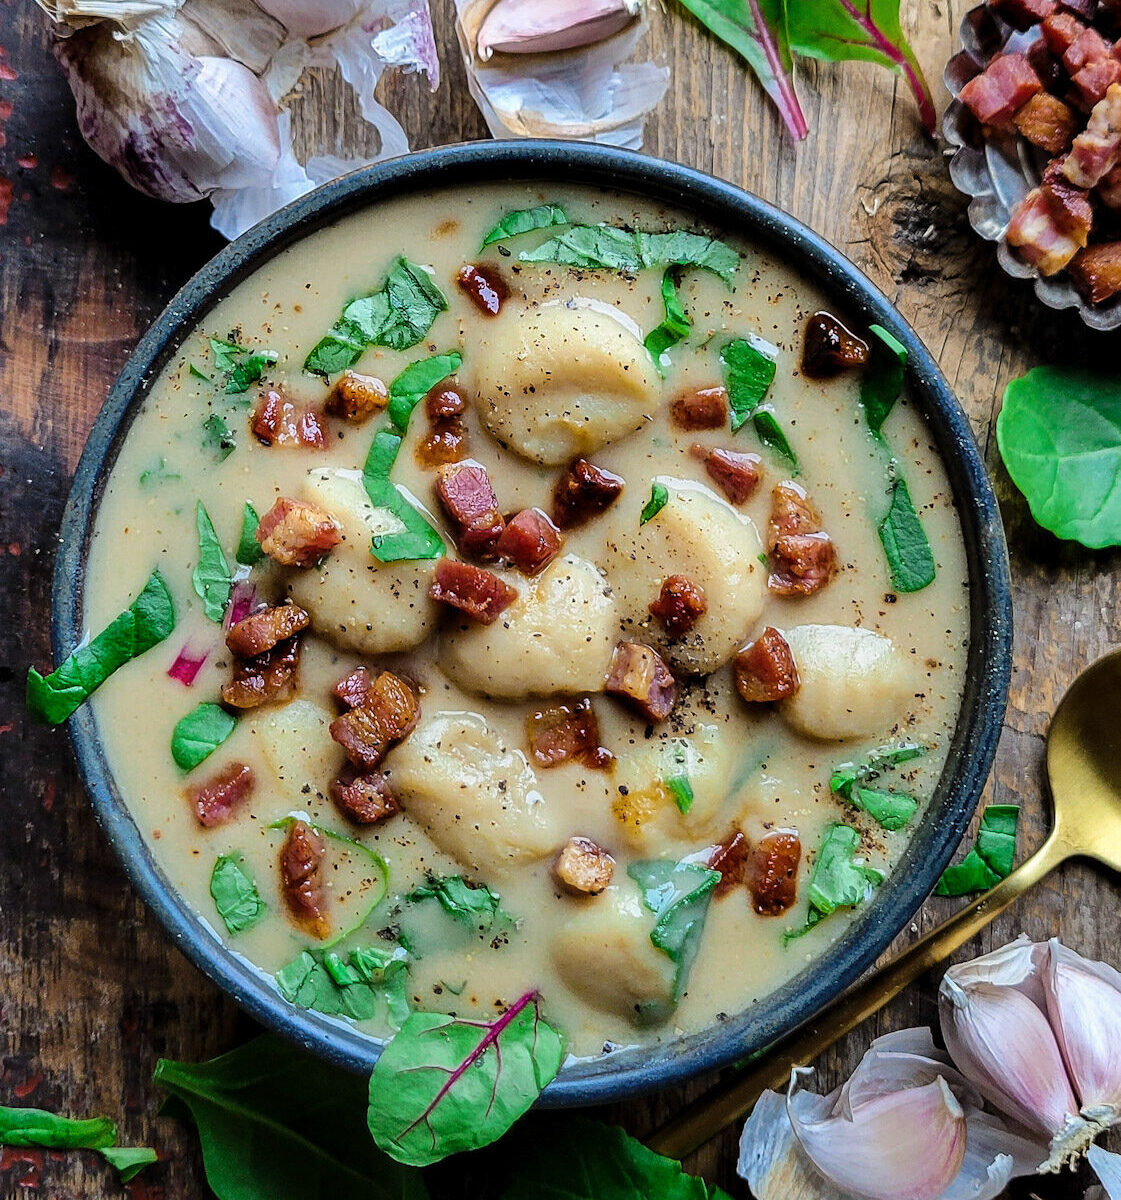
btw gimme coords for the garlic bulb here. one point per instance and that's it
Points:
(305, 20)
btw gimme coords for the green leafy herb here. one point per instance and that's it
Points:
(749, 370)
(369, 980)
(415, 382)
(906, 548)
(225, 353)
(399, 315)
(630, 251)
(678, 894)
(279, 1124)
(241, 366)
(474, 904)
(840, 879)
(584, 1160)
(235, 895)
(217, 437)
(882, 383)
(34, 1127)
(157, 473)
(1059, 433)
(198, 372)
(248, 549)
(892, 810)
(211, 577)
(525, 220)
(147, 621)
(444, 1084)
(675, 326)
(682, 791)
(416, 539)
(197, 735)
(129, 1161)
(991, 858)
(659, 498)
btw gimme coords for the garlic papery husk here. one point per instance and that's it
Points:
(1107, 1167)
(1084, 1007)
(545, 26)
(310, 18)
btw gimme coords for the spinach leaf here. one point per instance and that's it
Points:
(882, 383)
(277, 1123)
(360, 986)
(892, 810)
(398, 315)
(211, 577)
(128, 1161)
(874, 765)
(758, 32)
(629, 251)
(868, 30)
(1059, 433)
(659, 498)
(525, 220)
(840, 879)
(991, 858)
(248, 549)
(682, 791)
(197, 735)
(445, 1084)
(474, 904)
(749, 370)
(241, 366)
(225, 353)
(147, 621)
(217, 437)
(416, 539)
(235, 895)
(198, 372)
(34, 1127)
(906, 548)
(415, 382)
(157, 473)
(678, 894)
(674, 327)
(578, 1159)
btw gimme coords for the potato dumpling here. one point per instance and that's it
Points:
(476, 798)
(854, 683)
(296, 742)
(604, 954)
(557, 382)
(355, 601)
(700, 536)
(557, 637)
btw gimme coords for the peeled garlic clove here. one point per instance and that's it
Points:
(545, 26)
(1084, 1006)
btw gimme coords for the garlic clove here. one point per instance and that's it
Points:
(1084, 1007)
(1107, 1167)
(310, 18)
(546, 26)
(994, 1156)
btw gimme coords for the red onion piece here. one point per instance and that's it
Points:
(187, 665)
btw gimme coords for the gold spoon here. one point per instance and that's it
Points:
(1084, 770)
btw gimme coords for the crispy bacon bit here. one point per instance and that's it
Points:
(567, 731)
(466, 495)
(680, 605)
(364, 798)
(1109, 190)
(260, 631)
(803, 557)
(278, 422)
(1047, 122)
(1095, 79)
(583, 491)
(352, 690)
(484, 286)
(268, 676)
(640, 676)
(1046, 66)
(1096, 271)
(1088, 47)
(388, 712)
(830, 347)
(480, 594)
(360, 733)
(1005, 85)
(1097, 149)
(447, 443)
(297, 534)
(1060, 31)
(1023, 14)
(730, 859)
(583, 867)
(301, 878)
(1086, 9)
(700, 408)
(791, 512)
(1050, 225)
(395, 704)
(444, 401)
(215, 800)
(773, 875)
(530, 541)
(357, 397)
(765, 670)
(735, 473)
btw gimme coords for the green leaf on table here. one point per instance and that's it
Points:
(217, 437)
(1059, 434)
(147, 621)
(868, 30)
(211, 576)
(659, 498)
(758, 32)
(882, 382)
(675, 325)
(157, 473)
(248, 548)
(681, 790)
(235, 895)
(525, 220)
(606, 247)
(367, 981)
(32, 1127)
(415, 382)
(906, 548)
(197, 735)
(678, 894)
(446, 1084)
(129, 1161)
(416, 539)
(841, 877)
(992, 857)
(474, 904)
(277, 1123)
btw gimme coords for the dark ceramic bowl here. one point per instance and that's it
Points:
(629, 1072)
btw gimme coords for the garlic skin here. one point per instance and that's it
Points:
(546, 26)
(305, 20)
(1107, 1167)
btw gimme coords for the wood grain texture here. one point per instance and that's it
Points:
(92, 991)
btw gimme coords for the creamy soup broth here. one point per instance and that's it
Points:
(749, 770)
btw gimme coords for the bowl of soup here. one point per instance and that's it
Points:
(583, 582)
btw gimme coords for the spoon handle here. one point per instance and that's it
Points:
(729, 1101)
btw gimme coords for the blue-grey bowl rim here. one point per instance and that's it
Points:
(714, 202)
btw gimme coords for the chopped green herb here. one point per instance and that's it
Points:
(630, 251)
(241, 366)
(892, 810)
(235, 895)
(34, 1127)
(882, 384)
(416, 539)
(225, 353)
(682, 791)
(415, 382)
(197, 735)
(456, 989)
(771, 435)
(876, 764)
(906, 548)
(525, 220)
(128, 1161)
(147, 621)
(840, 879)
(678, 894)
(217, 437)
(157, 473)
(198, 372)
(675, 326)
(991, 858)
(369, 980)
(211, 576)
(473, 903)
(659, 498)
(749, 370)
(248, 549)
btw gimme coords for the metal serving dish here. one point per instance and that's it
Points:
(627, 1072)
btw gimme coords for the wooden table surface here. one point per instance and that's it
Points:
(91, 991)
